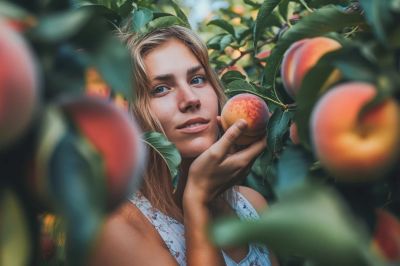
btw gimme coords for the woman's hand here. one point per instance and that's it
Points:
(221, 166)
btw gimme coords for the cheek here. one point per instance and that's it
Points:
(162, 111)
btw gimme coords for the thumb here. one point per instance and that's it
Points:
(226, 142)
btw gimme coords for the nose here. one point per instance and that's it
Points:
(189, 100)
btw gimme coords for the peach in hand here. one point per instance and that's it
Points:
(251, 108)
(350, 147)
(301, 57)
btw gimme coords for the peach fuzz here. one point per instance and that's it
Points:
(301, 57)
(351, 148)
(115, 136)
(251, 108)
(19, 85)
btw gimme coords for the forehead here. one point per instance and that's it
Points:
(171, 57)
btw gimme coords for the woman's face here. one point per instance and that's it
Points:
(182, 97)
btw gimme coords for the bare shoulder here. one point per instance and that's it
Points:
(126, 239)
(254, 197)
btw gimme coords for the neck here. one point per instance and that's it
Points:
(183, 175)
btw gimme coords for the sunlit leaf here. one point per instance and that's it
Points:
(223, 24)
(180, 14)
(166, 149)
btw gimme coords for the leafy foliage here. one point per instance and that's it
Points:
(313, 219)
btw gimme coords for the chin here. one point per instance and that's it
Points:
(195, 147)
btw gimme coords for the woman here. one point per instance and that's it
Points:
(178, 94)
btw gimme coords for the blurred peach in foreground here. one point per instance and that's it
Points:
(350, 147)
(19, 85)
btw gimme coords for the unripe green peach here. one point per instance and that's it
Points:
(301, 57)
(19, 85)
(251, 108)
(350, 147)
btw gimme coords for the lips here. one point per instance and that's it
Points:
(194, 123)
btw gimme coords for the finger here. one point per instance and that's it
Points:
(219, 120)
(248, 154)
(226, 142)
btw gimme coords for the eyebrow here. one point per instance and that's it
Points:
(168, 77)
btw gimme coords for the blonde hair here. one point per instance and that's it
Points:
(157, 186)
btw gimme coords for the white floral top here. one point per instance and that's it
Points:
(172, 231)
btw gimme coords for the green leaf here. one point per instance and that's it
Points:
(15, 237)
(179, 12)
(113, 61)
(262, 18)
(277, 127)
(321, 3)
(283, 8)
(78, 187)
(293, 166)
(252, 3)
(10, 10)
(140, 18)
(225, 42)
(223, 24)
(379, 16)
(126, 8)
(102, 11)
(167, 150)
(320, 22)
(215, 42)
(232, 75)
(164, 22)
(241, 86)
(61, 26)
(311, 221)
(354, 65)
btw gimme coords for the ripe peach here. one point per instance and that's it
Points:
(262, 55)
(113, 135)
(251, 108)
(301, 57)
(386, 237)
(350, 147)
(294, 134)
(19, 85)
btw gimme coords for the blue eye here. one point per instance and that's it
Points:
(198, 80)
(159, 90)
